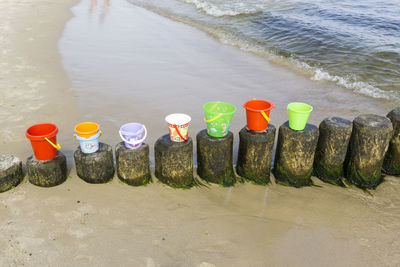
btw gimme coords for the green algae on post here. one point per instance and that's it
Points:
(11, 173)
(133, 165)
(97, 167)
(391, 163)
(47, 173)
(295, 155)
(214, 158)
(368, 144)
(330, 154)
(174, 162)
(255, 154)
(362, 179)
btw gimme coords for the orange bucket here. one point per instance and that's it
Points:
(43, 140)
(87, 129)
(257, 114)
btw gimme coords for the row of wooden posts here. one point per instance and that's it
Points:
(358, 151)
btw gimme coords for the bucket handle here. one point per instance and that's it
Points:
(213, 119)
(134, 142)
(265, 115)
(58, 147)
(179, 133)
(101, 133)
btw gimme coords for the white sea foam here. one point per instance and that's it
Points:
(360, 87)
(219, 8)
(315, 74)
(225, 9)
(349, 82)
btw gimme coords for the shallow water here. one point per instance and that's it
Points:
(355, 45)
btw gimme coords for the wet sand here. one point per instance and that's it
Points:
(127, 64)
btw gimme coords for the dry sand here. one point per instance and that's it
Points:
(160, 66)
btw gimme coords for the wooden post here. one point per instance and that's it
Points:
(11, 173)
(97, 167)
(255, 154)
(333, 141)
(133, 165)
(47, 173)
(295, 155)
(391, 164)
(214, 158)
(174, 162)
(368, 144)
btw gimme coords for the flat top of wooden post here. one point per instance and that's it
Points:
(394, 114)
(165, 140)
(7, 161)
(122, 148)
(310, 128)
(203, 133)
(270, 128)
(372, 120)
(102, 149)
(337, 122)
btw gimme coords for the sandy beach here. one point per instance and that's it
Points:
(112, 62)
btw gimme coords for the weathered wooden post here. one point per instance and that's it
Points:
(295, 155)
(333, 141)
(255, 154)
(391, 164)
(133, 165)
(214, 158)
(368, 144)
(97, 167)
(174, 162)
(47, 173)
(11, 173)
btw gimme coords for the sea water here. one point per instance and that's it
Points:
(354, 44)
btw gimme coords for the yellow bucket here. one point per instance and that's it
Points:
(87, 129)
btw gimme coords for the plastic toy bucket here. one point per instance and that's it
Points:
(86, 129)
(89, 145)
(257, 114)
(43, 139)
(218, 118)
(178, 125)
(298, 114)
(133, 134)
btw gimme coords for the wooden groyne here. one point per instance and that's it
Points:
(358, 151)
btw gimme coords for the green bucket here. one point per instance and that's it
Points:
(298, 114)
(218, 118)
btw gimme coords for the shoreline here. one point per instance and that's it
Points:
(83, 224)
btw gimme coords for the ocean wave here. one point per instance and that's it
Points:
(350, 82)
(233, 9)
(236, 39)
(316, 74)
(357, 86)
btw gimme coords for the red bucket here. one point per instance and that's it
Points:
(43, 140)
(257, 114)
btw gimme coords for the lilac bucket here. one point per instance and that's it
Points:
(133, 134)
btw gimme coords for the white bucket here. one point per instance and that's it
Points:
(178, 125)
